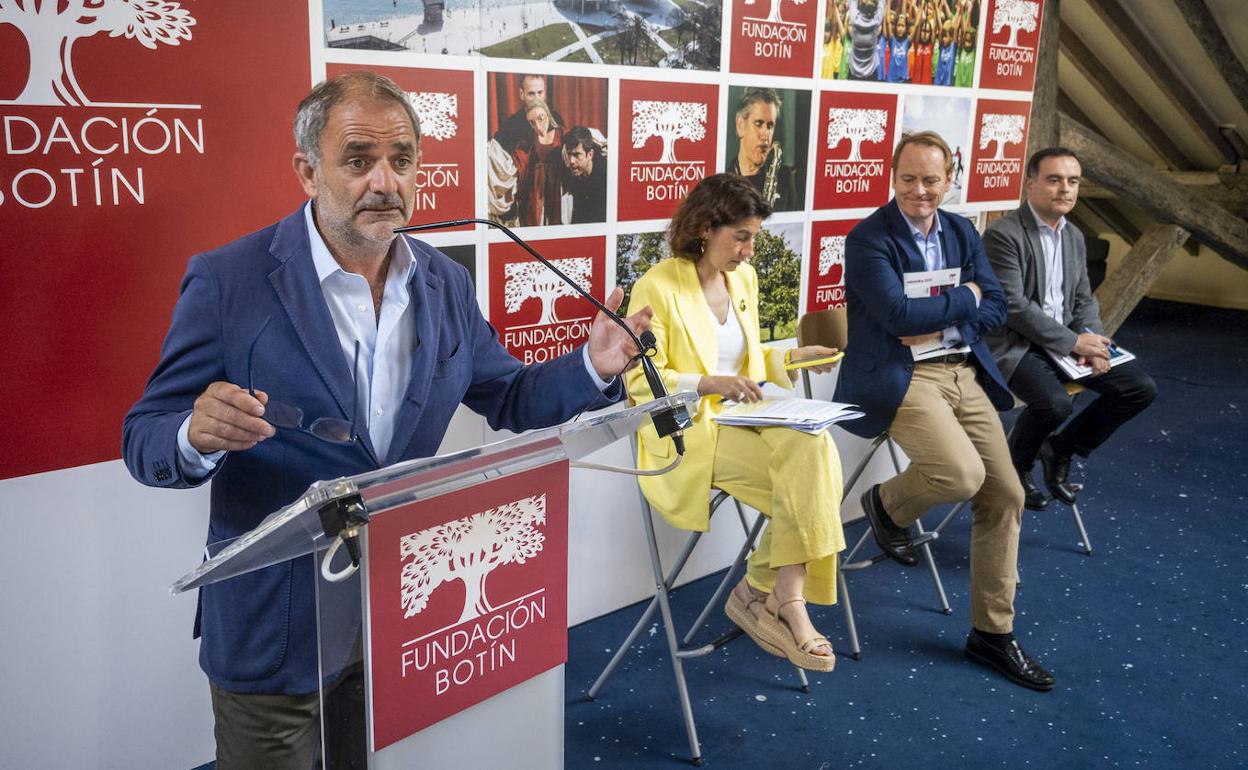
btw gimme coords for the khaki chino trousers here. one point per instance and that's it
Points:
(953, 436)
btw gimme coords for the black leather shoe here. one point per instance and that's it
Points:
(1056, 472)
(892, 539)
(1033, 498)
(1010, 661)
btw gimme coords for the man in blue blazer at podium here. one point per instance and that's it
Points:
(941, 408)
(319, 347)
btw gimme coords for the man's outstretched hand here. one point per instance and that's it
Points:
(611, 350)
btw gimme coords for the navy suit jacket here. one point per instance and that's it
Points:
(875, 373)
(259, 630)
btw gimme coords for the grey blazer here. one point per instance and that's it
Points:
(1017, 257)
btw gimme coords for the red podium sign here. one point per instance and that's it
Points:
(467, 597)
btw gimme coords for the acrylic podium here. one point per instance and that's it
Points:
(446, 646)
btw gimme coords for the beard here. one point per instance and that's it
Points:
(354, 225)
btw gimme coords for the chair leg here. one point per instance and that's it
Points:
(745, 525)
(742, 555)
(848, 607)
(803, 683)
(931, 567)
(1083, 533)
(642, 622)
(669, 630)
(848, 562)
(950, 516)
(862, 466)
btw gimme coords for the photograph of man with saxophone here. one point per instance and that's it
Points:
(769, 144)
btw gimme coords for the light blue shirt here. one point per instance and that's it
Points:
(934, 259)
(387, 344)
(1054, 272)
(929, 244)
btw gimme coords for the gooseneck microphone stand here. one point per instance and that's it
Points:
(667, 422)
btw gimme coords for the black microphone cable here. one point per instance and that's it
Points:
(667, 422)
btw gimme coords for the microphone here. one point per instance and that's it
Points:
(667, 422)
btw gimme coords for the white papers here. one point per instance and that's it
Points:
(932, 283)
(1075, 371)
(804, 414)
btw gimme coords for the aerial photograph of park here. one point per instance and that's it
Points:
(683, 34)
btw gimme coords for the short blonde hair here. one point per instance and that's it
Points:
(926, 139)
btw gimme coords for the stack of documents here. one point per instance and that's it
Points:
(932, 283)
(804, 414)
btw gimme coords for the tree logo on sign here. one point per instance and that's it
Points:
(832, 257)
(437, 112)
(1017, 15)
(774, 16)
(468, 550)
(669, 121)
(856, 125)
(51, 28)
(532, 280)
(1002, 129)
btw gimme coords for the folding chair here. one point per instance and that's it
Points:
(830, 329)
(1073, 389)
(684, 649)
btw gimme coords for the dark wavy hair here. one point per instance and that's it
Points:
(722, 199)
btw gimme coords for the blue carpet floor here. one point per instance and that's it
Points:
(1147, 637)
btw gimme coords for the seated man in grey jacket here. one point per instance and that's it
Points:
(1041, 262)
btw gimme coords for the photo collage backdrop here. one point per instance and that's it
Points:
(804, 97)
(154, 152)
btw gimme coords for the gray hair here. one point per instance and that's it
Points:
(313, 111)
(755, 95)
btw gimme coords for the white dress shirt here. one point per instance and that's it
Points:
(387, 345)
(1054, 273)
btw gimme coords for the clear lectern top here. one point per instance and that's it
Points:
(296, 529)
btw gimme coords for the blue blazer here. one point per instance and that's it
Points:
(259, 629)
(875, 373)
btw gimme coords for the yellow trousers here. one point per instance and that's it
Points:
(794, 479)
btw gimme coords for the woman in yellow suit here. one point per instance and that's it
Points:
(705, 301)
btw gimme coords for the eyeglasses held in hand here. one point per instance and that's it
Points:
(280, 415)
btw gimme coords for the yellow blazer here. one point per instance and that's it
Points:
(687, 345)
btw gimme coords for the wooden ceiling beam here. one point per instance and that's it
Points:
(1210, 185)
(1123, 289)
(1146, 55)
(1215, 45)
(1078, 216)
(1105, 211)
(1150, 190)
(1121, 100)
(1067, 105)
(1042, 131)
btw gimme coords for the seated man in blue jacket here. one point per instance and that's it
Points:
(376, 339)
(942, 410)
